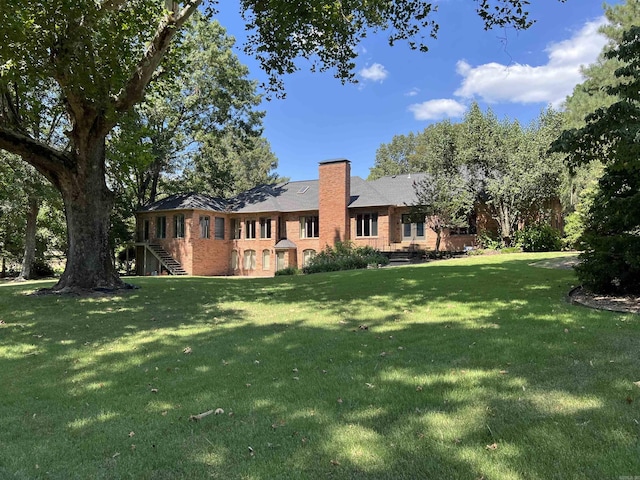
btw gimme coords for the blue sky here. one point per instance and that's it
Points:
(514, 73)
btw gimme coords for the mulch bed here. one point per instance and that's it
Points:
(623, 303)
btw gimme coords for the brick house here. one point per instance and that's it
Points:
(271, 227)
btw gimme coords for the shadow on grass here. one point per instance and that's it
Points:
(455, 359)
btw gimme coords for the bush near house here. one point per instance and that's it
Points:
(539, 237)
(288, 271)
(345, 256)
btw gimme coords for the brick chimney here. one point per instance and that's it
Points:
(334, 194)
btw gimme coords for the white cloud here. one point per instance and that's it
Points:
(437, 109)
(549, 83)
(413, 92)
(374, 73)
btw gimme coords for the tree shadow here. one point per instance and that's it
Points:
(457, 372)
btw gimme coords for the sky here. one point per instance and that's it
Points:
(515, 73)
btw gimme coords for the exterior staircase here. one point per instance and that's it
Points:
(167, 261)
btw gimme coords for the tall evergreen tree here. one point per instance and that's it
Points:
(611, 260)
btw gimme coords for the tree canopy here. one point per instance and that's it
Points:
(509, 163)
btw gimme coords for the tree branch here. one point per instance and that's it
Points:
(134, 89)
(48, 161)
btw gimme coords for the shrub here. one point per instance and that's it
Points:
(344, 256)
(288, 271)
(538, 237)
(611, 263)
(488, 241)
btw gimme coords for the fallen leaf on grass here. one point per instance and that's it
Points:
(493, 446)
(187, 350)
(154, 390)
(504, 372)
(419, 388)
(335, 462)
(131, 433)
(637, 384)
(364, 327)
(219, 411)
(369, 385)
(339, 400)
(252, 452)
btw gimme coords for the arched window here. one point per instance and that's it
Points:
(307, 255)
(266, 259)
(234, 260)
(249, 259)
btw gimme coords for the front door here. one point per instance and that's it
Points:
(280, 263)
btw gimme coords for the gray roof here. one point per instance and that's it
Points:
(299, 196)
(188, 201)
(398, 189)
(282, 197)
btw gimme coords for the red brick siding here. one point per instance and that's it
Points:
(333, 197)
(210, 256)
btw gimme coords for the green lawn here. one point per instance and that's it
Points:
(468, 369)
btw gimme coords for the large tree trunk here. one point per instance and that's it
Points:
(26, 272)
(87, 204)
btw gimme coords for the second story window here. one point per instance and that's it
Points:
(265, 228)
(204, 227)
(250, 229)
(161, 227)
(309, 227)
(367, 225)
(219, 228)
(146, 227)
(178, 226)
(235, 229)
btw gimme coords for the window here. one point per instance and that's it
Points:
(146, 227)
(249, 259)
(412, 230)
(161, 227)
(307, 255)
(266, 259)
(367, 225)
(250, 229)
(178, 226)
(204, 227)
(234, 260)
(282, 228)
(219, 228)
(309, 227)
(265, 228)
(235, 228)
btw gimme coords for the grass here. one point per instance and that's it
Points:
(467, 369)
